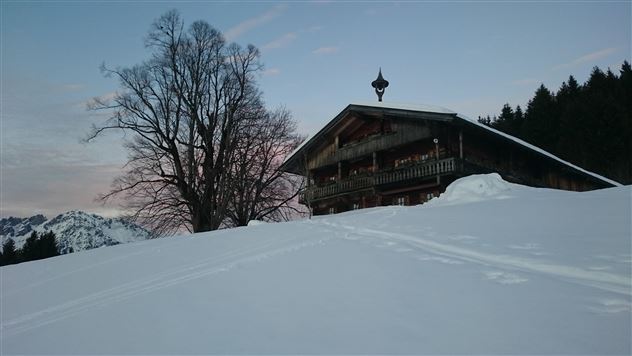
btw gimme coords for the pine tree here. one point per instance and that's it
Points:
(625, 74)
(9, 255)
(30, 250)
(587, 124)
(624, 95)
(571, 120)
(541, 122)
(505, 121)
(485, 120)
(48, 245)
(598, 117)
(518, 121)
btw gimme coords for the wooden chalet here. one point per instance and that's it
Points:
(384, 154)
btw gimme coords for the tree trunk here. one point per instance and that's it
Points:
(201, 222)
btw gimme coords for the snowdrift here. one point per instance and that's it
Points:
(476, 188)
(487, 268)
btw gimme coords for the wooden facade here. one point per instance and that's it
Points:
(380, 154)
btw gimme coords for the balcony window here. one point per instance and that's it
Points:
(408, 160)
(360, 171)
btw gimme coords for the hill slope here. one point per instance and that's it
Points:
(74, 230)
(489, 267)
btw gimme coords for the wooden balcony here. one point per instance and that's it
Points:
(405, 134)
(417, 171)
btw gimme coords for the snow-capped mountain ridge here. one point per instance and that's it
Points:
(75, 230)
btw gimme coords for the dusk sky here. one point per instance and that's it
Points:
(471, 57)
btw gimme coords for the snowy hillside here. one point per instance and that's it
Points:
(75, 230)
(488, 268)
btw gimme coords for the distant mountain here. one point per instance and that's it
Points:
(75, 230)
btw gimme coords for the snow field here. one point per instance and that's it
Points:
(488, 267)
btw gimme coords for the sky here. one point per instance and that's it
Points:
(319, 56)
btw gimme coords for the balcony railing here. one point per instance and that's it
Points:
(373, 144)
(421, 170)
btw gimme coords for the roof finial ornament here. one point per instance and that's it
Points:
(379, 84)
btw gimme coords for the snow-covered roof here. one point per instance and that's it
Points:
(441, 110)
(405, 106)
(298, 148)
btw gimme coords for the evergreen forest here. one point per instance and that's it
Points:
(587, 124)
(36, 247)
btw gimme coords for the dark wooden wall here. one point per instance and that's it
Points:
(483, 152)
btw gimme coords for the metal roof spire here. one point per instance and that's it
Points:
(379, 84)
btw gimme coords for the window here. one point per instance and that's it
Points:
(405, 160)
(401, 201)
(429, 196)
(332, 210)
(356, 206)
(358, 171)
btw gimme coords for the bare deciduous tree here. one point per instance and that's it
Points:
(263, 191)
(306, 183)
(187, 108)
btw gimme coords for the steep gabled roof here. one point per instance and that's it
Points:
(401, 110)
(434, 113)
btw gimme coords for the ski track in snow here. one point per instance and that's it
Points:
(71, 272)
(593, 278)
(198, 269)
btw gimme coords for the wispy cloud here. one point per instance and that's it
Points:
(254, 22)
(527, 81)
(52, 189)
(313, 29)
(325, 50)
(272, 71)
(40, 178)
(39, 156)
(93, 103)
(72, 87)
(106, 98)
(282, 41)
(587, 58)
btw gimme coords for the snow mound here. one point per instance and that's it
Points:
(476, 188)
(544, 273)
(256, 222)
